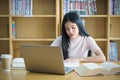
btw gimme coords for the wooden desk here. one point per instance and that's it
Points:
(24, 75)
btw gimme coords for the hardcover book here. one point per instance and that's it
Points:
(94, 69)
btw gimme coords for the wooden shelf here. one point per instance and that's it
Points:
(4, 15)
(102, 26)
(94, 16)
(40, 27)
(115, 38)
(34, 16)
(100, 39)
(114, 16)
(31, 39)
(4, 39)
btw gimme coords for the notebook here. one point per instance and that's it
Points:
(45, 59)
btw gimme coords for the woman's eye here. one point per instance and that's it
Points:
(67, 28)
(73, 27)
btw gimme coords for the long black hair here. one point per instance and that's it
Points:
(72, 17)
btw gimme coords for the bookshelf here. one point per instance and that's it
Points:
(4, 27)
(102, 26)
(43, 26)
(40, 26)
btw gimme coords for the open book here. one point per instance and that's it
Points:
(94, 69)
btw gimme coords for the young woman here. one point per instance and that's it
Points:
(76, 42)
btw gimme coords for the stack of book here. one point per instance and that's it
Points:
(21, 7)
(82, 7)
(18, 63)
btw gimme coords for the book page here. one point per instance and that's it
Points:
(18, 60)
(71, 64)
(92, 66)
(109, 65)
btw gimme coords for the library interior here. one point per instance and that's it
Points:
(39, 22)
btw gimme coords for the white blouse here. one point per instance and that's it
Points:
(78, 47)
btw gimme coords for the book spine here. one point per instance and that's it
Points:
(113, 55)
(20, 7)
(116, 51)
(11, 10)
(111, 7)
(13, 30)
(23, 7)
(13, 7)
(83, 21)
(30, 6)
(116, 7)
(94, 7)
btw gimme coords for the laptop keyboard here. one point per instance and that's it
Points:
(68, 69)
(70, 66)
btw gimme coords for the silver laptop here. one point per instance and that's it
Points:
(43, 58)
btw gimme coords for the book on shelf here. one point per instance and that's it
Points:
(113, 51)
(82, 7)
(83, 21)
(115, 7)
(18, 63)
(94, 69)
(21, 7)
(13, 30)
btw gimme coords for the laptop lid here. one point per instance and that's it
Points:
(42, 58)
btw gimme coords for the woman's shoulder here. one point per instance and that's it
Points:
(88, 38)
(59, 38)
(57, 41)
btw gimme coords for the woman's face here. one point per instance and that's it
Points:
(72, 30)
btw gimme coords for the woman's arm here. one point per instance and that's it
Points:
(99, 57)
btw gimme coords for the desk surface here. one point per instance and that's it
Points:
(24, 75)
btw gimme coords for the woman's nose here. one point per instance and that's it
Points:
(70, 30)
